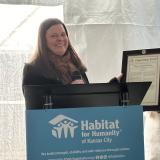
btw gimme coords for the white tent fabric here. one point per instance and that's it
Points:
(100, 30)
(151, 135)
(34, 2)
(143, 13)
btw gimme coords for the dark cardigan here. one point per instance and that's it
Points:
(32, 76)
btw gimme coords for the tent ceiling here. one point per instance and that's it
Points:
(34, 2)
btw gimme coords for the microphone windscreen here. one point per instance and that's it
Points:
(76, 75)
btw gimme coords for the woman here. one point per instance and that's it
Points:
(54, 61)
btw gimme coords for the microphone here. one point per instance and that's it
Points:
(76, 75)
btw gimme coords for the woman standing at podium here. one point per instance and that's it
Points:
(54, 60)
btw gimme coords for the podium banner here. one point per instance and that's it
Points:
(88, 133)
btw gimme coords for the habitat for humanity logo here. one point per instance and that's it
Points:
(63, 126)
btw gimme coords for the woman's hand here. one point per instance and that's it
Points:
(116, 79)
(119, 78)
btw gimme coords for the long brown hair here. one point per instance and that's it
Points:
(41, 54)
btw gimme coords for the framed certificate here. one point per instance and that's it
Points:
(142, 66)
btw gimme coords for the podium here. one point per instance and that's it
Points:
(85, 121)
(96, 94)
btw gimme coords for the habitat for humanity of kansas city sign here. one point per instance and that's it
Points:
(94, 133)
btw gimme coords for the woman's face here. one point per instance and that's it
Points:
(57, 40)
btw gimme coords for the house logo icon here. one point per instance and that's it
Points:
(63, 126)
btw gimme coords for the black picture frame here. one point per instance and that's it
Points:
(140, 52)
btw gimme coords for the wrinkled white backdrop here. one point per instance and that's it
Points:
(99, 30)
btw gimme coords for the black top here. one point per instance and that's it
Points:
(33, 76)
